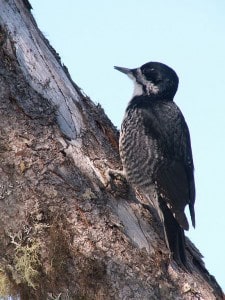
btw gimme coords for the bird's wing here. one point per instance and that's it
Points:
(174, 171)
(171, 182)
(186, 154)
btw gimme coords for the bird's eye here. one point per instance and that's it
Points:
(157, 80)
(152, 75)
(148, 73)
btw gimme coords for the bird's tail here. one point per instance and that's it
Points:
(174, 235)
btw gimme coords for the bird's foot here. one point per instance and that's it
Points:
(116, 182)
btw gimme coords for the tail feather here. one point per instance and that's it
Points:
(174, 235)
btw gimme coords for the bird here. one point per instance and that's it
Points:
(155, 150)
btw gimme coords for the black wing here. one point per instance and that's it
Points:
(174, 178)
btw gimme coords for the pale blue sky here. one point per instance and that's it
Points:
(93, 36)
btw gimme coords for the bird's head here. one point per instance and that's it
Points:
(153, 79)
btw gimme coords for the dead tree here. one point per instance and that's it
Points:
(66, 233)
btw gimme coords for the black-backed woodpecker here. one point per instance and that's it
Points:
(155, 150)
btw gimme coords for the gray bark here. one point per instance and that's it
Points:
(66, 233)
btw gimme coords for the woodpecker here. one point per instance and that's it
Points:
(155, 150)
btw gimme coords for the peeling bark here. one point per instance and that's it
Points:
(65, 232)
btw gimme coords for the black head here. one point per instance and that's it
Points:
(153, 79)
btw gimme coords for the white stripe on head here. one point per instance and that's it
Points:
(138, 89)
(140, 82)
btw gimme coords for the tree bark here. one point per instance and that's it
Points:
(67, 232)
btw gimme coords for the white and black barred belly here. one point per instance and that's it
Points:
(139, 153)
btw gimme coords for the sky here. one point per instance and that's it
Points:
(189, 36)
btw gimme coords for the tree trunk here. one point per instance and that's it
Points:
(67, 231)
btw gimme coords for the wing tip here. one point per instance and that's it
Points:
(192, 213)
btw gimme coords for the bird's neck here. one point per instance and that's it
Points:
(138, 89)
(146, 101)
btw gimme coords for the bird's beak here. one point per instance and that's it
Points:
(123, 70)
